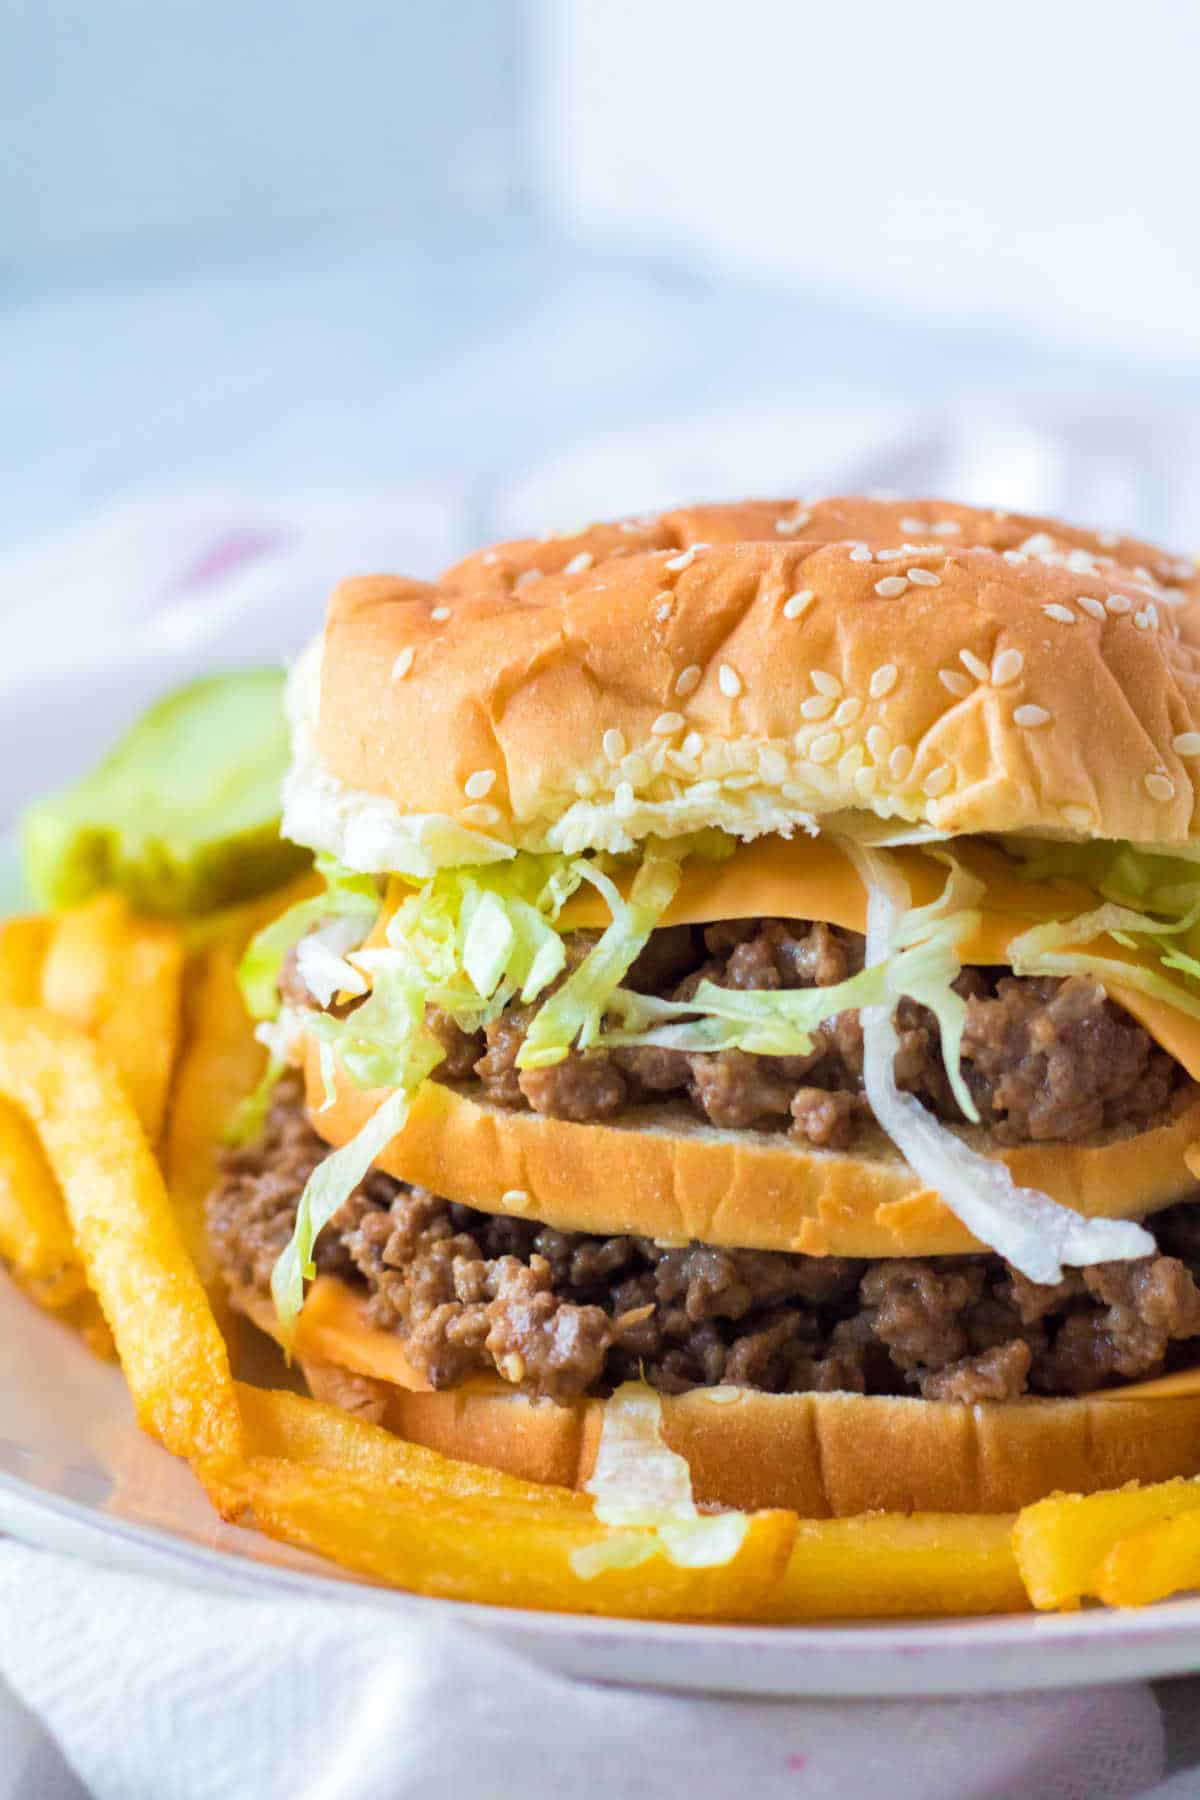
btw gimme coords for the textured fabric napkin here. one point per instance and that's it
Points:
(168, 1693)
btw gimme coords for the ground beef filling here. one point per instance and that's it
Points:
(564, 1314)
(1043, 1058)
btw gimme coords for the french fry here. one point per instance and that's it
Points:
(1159, 1560)
(1061, 1544)
(173, 1355)
(119, 978)
(219, 1065)
(892, 1565)
(36, 1239)
(23, 946)
(283, 1425)
(499, 1552)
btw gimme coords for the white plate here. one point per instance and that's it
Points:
(76, 1475)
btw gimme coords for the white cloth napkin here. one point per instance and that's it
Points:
(168, 1693)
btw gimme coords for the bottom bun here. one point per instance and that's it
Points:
(819, 1455)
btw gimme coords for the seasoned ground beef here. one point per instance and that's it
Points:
(565, 1313)
(1044, 1058)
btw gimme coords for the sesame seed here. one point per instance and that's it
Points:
(1006, 667)
(1031, 716)
(729, 681)
(850, 762)
(1118, 604)
(974, 665)
(887, 556)
(1081, 562)
(883, 680)
(579, 565)
(817, 706)
(515, 1199)
(824, 683)
(865, 782)
(914, 525)
(891, 587)
(1015, 557)
(1159, 787)
(1152, 614)
(667, 724)
(878, 742)
(848, 710)
(479, 785)
(1187, 743)
(490, 556)
(692, 744)
(786, 527)
(924, 578)
(900, 762)
(637, 769)
(946, 528)
(956, 683)
(860, 553)
(440, 613)
(623, 798)
(614, 744)
(528, 578)
(824, 748)
(1039, 544)
(403, 663)
(1078, 817)
(1062, 615)
(481, 815)
(1142, 621)
(938, 780)
(688, 680)
(1090, 605)
(686, 558)
(795, 604)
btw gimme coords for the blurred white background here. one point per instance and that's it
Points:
(391, 277)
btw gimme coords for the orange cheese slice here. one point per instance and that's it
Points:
(812, 878)
(333, 1329)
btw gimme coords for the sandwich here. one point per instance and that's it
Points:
(759, 955)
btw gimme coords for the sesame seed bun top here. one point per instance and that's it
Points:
(757, 667)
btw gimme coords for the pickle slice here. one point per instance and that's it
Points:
(182, 815)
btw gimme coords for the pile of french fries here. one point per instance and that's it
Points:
(124, 1052)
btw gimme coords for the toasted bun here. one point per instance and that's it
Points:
(818, 1454)
(661, 1173)
(756, 667)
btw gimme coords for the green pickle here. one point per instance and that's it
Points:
(183, 813)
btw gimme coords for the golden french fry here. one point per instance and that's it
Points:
(1061, 1543)
(23, 946)
(283, 1425)
(119, 978)
(36, 1239)
(1159, 1560)
(893, 1565)
(219, 1065)
(499, 1552)
(173, 1355)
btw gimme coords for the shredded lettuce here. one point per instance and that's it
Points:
(644, 1488)
(1029, 1229)
(346, 895)
(780, 1022)
(573, 1014)
(250, 1115)
(1054, 949)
